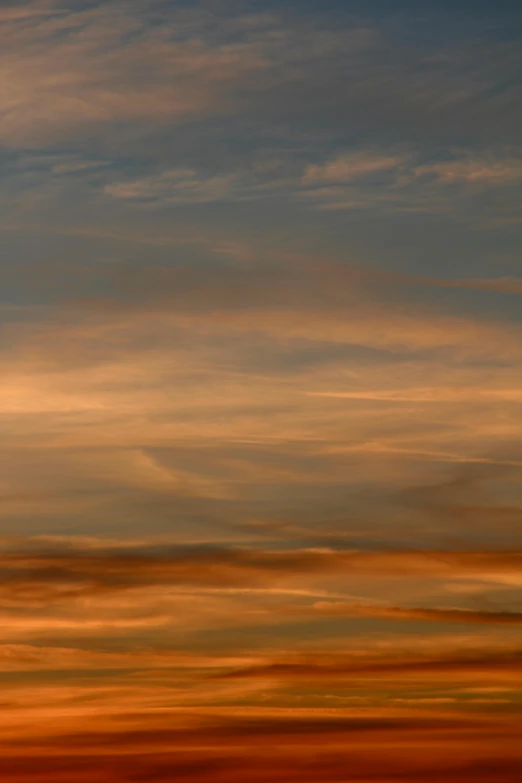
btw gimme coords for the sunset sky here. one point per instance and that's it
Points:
(261, 391)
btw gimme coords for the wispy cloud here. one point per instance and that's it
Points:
(75, 70)
(346, 667)
(184, 186)
(481, 172)
(71, 70)
(260, 403)
(423, 614)
(381, 180)
(348, 167)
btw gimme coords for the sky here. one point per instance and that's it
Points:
(260, 409)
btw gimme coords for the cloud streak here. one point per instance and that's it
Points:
(261, 382)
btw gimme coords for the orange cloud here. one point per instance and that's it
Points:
(114, 568)
(270, 747)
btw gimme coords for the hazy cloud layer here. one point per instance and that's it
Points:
(260, 409)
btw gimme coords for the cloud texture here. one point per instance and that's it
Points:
(260, 408)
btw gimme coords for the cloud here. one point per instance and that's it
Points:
(260, 398)
(422, 614)
(487, 172)
(72, 72)
(60, 575)
(381, 180)
(28, 10)
(212, 748)
(148, 91)
(348, 167)
(76, 70)
(198, 401)
(426, 394)
(184, 186)
(53, 592)
(26, 657)
(306, 298)
(332, 667)
(506, 285)
(398, 183)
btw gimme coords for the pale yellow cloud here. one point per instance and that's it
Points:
(351, 166)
